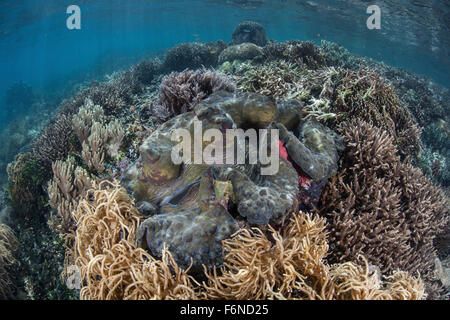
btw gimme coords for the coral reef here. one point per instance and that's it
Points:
(111, 265)
(185, 231)
(363, 94)
(179, 91)
(177, 192)
(243, 51)
(8, 244)
(53, 143)
(249, 31)
(68, 185)
(193, 56)
(25, 180)
(294, 51)
(290, 265)
(382, 208)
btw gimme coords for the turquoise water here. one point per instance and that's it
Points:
(37, 49)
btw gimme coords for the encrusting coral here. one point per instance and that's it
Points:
(382, 208)
(288, 264)
(8, 244)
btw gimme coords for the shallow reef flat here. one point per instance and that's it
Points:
(358, 208)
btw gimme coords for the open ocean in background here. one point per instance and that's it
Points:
(38, 50)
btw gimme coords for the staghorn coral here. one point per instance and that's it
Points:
(306, 53)
(249, 31)
(111, 265)
(193, 56)
(364, 94)
(180, 91)
(8, 244)
(382, 208)
(278, 79)
(290, 265)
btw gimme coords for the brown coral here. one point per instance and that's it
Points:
(8, 244)
(382, 208)
(364, 94)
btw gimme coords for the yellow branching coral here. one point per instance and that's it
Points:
(8, 244)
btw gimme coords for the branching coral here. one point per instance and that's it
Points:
(179, 91)
(297, 52)
(25, 180)
(382, 208)
(8, 244)
(193, 56)
(363, 94)
(278, 79)
(290, 265)
(54, 141)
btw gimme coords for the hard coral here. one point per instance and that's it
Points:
(8, 244)
(193, 56)
(180, 91)
(243, 51)
(364, 94)
(53, 143)
(25, 183)
(382, 208)
(296, 52)
(249, 31)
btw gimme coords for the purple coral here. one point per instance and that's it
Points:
(180, 91)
